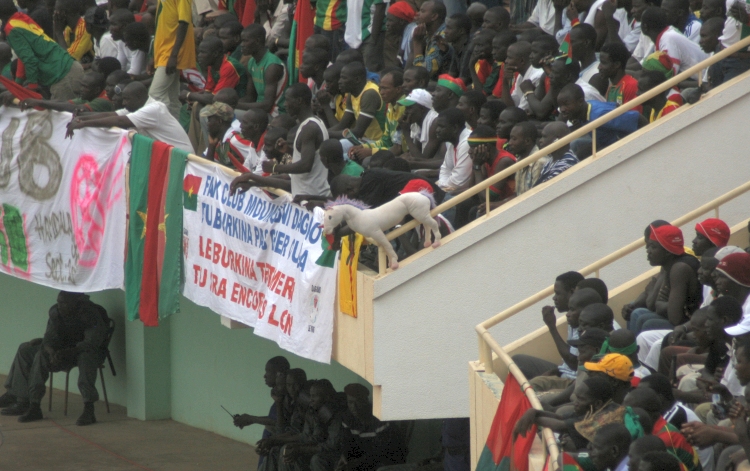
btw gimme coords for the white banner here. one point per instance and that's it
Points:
(62, 201)
(253, 259)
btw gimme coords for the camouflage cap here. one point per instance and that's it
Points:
(222, 110)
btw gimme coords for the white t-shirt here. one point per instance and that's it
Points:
(732, 28)
(633, 37)
(106, 47)
(683, 52)
(424, 135)
(155, 121)
(590, 92)
(643, 49)
(587, 73)
(456, 173)
(693, 30)
(132, 62)
(533, 74)
(543, 16)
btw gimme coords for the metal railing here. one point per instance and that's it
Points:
(588, 128)
(488, 346)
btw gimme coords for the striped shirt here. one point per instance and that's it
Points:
(330, 15)
(79, 41)
(677, 444)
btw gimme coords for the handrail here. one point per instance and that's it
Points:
(547, 434)
(592, 126)
(614, 256)
(488, 345)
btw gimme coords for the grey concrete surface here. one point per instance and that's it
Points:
(114, 443)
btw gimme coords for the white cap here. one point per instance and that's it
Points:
(419, 96)
(728, 250)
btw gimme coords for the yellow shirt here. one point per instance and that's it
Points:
(168, 15)
(79, 42)
(375, 130)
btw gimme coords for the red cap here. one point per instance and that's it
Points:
(714, 230)
(736, 267)
(402, 10)
(669, 237)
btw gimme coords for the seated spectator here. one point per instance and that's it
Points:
(365, 108)
(331, 102)
(561, 159)
(219, 117)
(597, 285)
(97, 25)
(612, 61)
(132, 61)
(517, 70)
(658, 106)
(470, 103)
(307, 173)
(674, 412)
(137, 42)
(506, 121)
(456, 35)
(425, 51)
(682, 18)
(415, 77)
(390, 91)
(479, 70)
(46, 63)
(710, 233)
(230, 34)
(676, 443)
(267, 74)
(543, 98)
(398, 21)
(500, 44)
(640, 447)
(522, 143)
(70, 30)
(75, 336)
(368, 443)
(275, 150)
(456, 171)
(712, 9)
(711, 33)
(488, 161)
(91, 97)
(623, 341)
(221, 72)
(291, 420)
(683, 52)
(608, 450)
(680, 293)
(274, 366)
(616, 369)
(332, 158)
(378, 186)
(661, 461)
(550, 375)
(575, 108)
(732, 278)
(149, 117)
(583, 41)
(489, 113)
(112, 81)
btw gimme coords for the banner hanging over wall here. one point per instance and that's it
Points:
(62, 202)
(253, 259)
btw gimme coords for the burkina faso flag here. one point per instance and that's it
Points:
(302, 28)
(500, 452)
(153, 268)
(566, 49)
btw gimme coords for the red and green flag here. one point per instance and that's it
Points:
(302, 28)
(500, 453)
(153, 268)
(566, 49)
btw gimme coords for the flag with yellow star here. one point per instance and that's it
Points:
(153, 267)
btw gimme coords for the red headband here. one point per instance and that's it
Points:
(714, 230)
(402, 10)
(669, 237)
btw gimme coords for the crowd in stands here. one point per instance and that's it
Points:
(668, 377)
(384, 97)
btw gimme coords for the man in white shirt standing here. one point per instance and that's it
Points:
(149, 117)
(518, 69)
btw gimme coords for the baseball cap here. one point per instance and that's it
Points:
(614, 365)
(418, 96)
(222, 110)
(736, 267)
(594, 337)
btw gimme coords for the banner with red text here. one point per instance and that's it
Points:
(253, 259)
(62, 201)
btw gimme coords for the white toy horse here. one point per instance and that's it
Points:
(372, 222)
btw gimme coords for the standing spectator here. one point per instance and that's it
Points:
(424, 41)
(330, 20)
(38, 11)
(174, 51)
(398, 29)
(148, 116)
(365, 30)
(47, 64)
(268, 76)
(70, 30)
